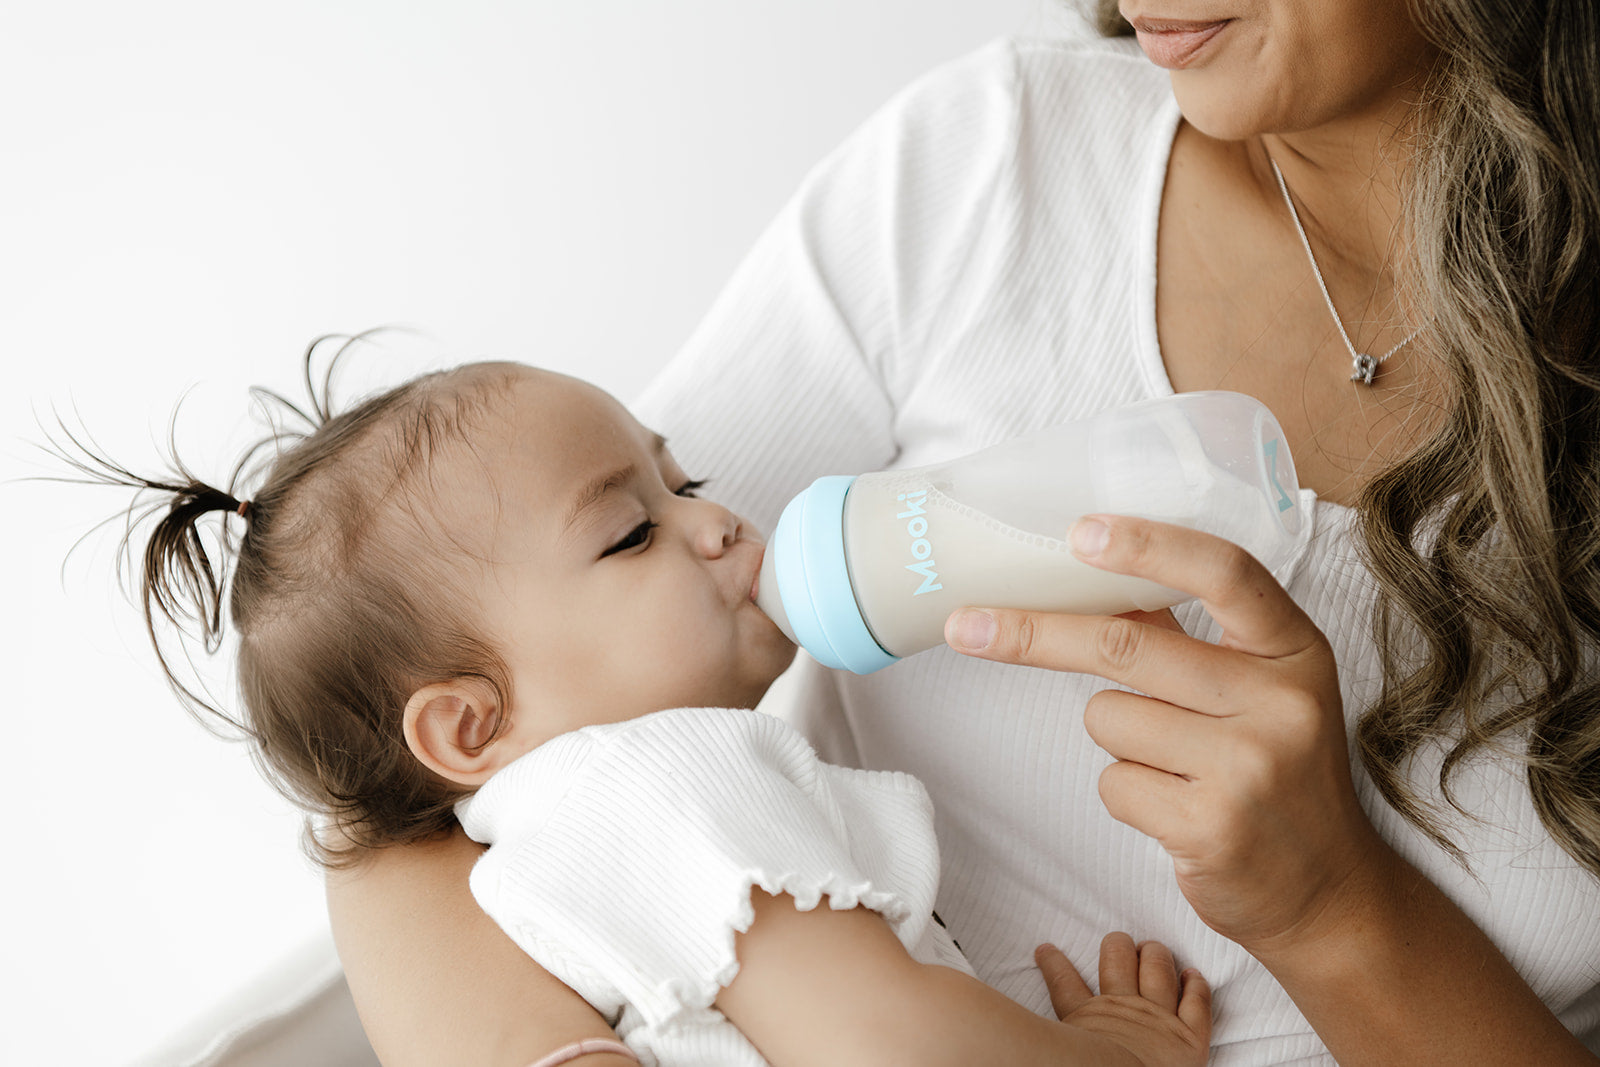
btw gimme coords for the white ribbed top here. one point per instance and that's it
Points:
(976, 262)
(622, 856)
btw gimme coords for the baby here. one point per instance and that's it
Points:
(490, 594)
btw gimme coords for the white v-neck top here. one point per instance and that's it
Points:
(976, 262)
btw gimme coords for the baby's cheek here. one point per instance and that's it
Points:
(687, 653)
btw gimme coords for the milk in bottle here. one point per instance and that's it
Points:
(861, 571)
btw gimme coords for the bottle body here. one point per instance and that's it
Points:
(940, 554)
(911, 546)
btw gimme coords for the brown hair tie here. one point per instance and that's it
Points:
(243, 510)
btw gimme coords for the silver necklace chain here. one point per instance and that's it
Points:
(1364, 367)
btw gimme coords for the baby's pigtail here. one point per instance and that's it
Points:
(179, 581)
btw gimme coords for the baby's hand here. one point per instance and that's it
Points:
(1144, 1005)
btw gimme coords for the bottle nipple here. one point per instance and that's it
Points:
(767, 597)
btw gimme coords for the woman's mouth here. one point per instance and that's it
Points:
(1173, 44)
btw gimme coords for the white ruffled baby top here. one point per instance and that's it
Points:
(622, 857)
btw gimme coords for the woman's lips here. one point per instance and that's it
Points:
(1173, 43)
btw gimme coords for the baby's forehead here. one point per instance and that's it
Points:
(542, 438)
(545, 407)
(529, 447)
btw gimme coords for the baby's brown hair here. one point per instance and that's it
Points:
(339, 590)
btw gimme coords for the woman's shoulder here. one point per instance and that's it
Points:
(1102, 77)
(1055, 113)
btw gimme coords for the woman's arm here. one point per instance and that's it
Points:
(1403, 976)
(838, 988)
(434, 979)
(1234, 756)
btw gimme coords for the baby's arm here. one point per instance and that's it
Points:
(837, 987)
(435, 981)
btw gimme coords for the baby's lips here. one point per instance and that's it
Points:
(748, 532)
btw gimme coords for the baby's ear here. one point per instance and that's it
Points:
(451, 727)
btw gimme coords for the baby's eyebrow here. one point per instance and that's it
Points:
(605, 483)
(594, 490)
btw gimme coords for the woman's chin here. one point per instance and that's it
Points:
(1221, 117)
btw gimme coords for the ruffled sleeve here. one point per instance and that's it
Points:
(623, 856)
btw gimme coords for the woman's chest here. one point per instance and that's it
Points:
(1238, 306)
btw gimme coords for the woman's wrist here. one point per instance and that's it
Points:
(1391, 971)
(1347, 893)
(1356, 915)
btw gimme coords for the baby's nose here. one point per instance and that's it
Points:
(719, 529)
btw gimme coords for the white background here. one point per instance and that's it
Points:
(189, 193)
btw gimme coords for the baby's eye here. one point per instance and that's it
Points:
(689, 487)
(637, 536)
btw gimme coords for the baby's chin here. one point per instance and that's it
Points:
(770, 670)
(784, 655)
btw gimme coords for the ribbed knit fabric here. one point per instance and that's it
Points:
(622, 857)
(976, 262)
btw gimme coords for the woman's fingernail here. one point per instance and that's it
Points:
(972, 630)
(1089, 537)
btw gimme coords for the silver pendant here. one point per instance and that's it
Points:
(1365, 368)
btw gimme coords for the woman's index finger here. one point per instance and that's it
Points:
(1256, 613)
(1157, 660)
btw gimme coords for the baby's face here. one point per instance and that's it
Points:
(613, 589)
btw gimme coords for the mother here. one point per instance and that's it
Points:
(1044, 230)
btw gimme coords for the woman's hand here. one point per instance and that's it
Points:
(1234, 757)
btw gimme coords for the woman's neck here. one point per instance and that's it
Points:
(1346, 182)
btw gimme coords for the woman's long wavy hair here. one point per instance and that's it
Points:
(337, 589)
(1485, 541)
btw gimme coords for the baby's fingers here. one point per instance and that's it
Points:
(1158, 976)
(1194, 1006)
(1068, 991)
(1119, 965)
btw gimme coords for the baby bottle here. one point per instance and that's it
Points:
(863, 570)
